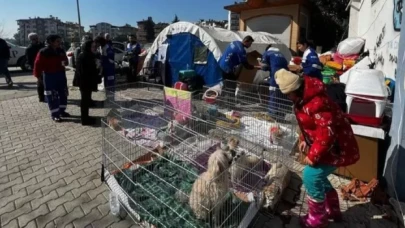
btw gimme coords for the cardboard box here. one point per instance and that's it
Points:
(367, 166)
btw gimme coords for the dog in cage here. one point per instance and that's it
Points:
(209, 190)
(242, 161)
(277, 179)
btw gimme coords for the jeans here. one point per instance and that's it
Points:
(315, 179)
(4, 69)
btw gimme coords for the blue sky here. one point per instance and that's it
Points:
(116, 12)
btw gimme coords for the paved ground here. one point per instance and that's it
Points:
(49, 173)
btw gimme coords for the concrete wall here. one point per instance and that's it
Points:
(378, 22)
(289, 10)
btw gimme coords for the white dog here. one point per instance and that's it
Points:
(209, 190)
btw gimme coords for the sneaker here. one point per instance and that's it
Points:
(64, 114)
(56, 119)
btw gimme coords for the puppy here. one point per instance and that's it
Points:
(210, 188)
(242, 164)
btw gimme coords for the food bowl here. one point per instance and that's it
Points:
(210, 96)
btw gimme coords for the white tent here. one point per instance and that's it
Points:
(217, 39)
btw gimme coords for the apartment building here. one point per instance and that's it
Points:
(159, 27)
(113, 30)
(46, 26)
(142, 34)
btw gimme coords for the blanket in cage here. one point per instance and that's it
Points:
(153, 187)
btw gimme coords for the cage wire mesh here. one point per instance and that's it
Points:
(148, 140)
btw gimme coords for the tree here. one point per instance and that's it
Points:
(329, 22)
(150, 30)
(176, 19)
(2, 32)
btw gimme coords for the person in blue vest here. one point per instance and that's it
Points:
(107, 64)
(311, 66)
(233, 56)
(133, 51)
(272, 61)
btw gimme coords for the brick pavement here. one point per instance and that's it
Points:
(49, 173)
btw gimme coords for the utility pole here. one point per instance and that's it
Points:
(80, 24)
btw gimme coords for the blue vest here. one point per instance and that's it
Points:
(311, 66)
(276, 61)
(234, 55)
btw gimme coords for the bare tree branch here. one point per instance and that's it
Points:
(3, 33)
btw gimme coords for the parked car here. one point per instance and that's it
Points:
(17, 57)
(118, 49)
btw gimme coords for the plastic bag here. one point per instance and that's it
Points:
(351, 46)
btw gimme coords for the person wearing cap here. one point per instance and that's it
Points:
(326, 139)
(233, 56)
(49, 66)
(133, 51)
(311, 65)
(31, 53)
(272, 61)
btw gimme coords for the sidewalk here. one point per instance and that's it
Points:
(49, 173)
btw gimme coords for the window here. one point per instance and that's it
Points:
(117, 51)
(118, 46)
(200, 55)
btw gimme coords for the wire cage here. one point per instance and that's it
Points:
(247, 115)
(165, 166)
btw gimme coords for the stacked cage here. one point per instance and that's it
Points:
(167, 171)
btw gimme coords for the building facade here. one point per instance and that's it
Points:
(159, 27)
(379, 23)
(233, 21)
(288, 20)
(141, 35)
(46, 26)
(113, 30)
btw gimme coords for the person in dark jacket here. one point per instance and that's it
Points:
(31, 53)
(4, 57)
(50, 65)
(86, 78)
(77, 51)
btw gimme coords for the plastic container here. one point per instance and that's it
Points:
(327, 79)
(114, 204)
(210, 96)
(366, 96)
(334, 65)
